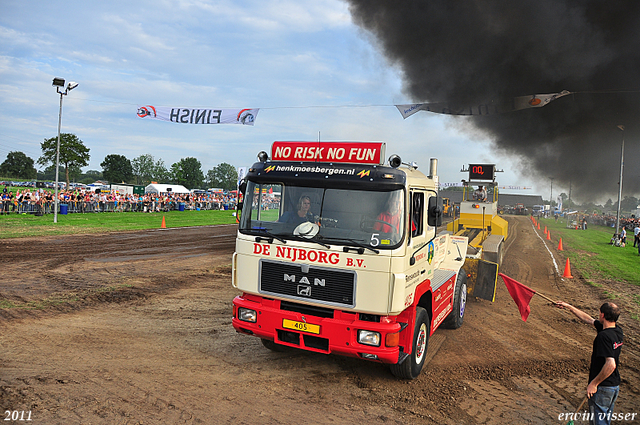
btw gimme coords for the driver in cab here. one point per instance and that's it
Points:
(302, 213)
(480, 194)
(391, 217)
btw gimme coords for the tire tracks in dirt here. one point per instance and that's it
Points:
(170, 355)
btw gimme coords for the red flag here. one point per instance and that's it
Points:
(521, 295)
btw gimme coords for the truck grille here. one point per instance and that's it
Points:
(308, 283)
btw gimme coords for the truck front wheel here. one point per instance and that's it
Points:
(412, 366)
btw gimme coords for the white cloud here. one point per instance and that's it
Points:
(275, 16)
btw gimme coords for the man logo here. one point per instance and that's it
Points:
(304, 279)
(304, 290)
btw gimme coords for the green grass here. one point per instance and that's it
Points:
(590, 252)
(25, 225)
(268, 215)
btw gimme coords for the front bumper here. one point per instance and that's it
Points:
(337, 334)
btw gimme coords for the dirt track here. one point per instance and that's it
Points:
(133, 328)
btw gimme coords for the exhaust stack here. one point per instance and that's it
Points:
(433, 168)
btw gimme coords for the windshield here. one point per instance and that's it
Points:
(330, 216)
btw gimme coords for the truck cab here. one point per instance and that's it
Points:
(339, 253)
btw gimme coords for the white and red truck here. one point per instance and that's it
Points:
(337, 253)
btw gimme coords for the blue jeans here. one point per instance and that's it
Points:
(601, 405)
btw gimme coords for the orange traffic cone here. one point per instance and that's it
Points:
(164, 225)
(545, 230)
(538, 226)
(549, 235)
(567, 270)
(560, 245)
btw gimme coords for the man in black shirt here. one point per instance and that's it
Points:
(604, 376)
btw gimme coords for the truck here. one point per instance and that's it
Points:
(538, 210)
(339, 252)
(479, 220)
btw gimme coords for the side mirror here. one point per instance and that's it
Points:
(242, 187)
(435, 211)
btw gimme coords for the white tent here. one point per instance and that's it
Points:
(165, 188)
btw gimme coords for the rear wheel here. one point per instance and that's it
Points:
(456, 317)
(412, 366)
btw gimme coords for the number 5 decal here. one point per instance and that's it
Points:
(374, 239)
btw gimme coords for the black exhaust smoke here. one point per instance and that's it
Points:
(475, 52)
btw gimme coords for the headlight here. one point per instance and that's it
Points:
(369, 338)
(247, 315)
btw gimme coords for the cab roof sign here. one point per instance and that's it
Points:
(336, 152)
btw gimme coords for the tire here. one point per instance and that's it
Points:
(273, 346)
(456, 317)
(412, 366)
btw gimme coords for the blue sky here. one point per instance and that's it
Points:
(307, 67)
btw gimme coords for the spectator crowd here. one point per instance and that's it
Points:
(41, 201)
(610, 221)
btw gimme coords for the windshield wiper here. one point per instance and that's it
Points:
(270, 235)
(360, 245)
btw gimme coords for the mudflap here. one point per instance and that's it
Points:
(483, 278)
(435, 342)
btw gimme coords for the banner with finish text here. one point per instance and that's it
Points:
(489, 108)
(199, 115)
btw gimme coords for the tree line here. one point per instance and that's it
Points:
(141, 170)
(144, 169)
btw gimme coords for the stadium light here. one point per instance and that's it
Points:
(58, 83)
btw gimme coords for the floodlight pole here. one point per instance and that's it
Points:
(569, 207)
(55, 205)
(621, 127)
(58, 83)
(551, 196)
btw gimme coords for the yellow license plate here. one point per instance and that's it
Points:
(301, 326)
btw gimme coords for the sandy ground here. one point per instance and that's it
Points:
(135, 328)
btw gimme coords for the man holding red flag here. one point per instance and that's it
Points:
(604, 377)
